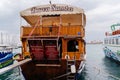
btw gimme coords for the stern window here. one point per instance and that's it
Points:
(72, 46)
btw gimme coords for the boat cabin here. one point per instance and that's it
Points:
(54, 32)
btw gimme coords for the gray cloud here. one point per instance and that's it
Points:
(100, 14)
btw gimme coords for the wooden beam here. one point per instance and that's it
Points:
(16, 64)
(48, 65)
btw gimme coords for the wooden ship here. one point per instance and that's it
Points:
(54, 41)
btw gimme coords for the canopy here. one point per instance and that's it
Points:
(67, 13)
(51, 9)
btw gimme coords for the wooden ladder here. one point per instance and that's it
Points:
(71, 76)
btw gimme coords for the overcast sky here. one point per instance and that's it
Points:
(100, 14)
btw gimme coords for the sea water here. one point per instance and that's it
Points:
(14, 74)
(97, 67)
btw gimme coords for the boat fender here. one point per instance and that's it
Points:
(67, 57)
(73, 69)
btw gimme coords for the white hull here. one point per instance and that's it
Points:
(112, 52)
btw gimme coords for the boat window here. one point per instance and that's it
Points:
(105, 41)
(113, 41)
(116, 40)
(109, 41)
(72, 46)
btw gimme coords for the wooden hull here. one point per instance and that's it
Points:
(35, 71)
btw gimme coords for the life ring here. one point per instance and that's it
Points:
(67, 57)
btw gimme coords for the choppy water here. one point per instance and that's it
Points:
(14, 74)
(98, 67)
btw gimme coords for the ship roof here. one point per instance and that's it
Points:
(51, 9)
(54, 13)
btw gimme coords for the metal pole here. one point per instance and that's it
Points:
(1, 38)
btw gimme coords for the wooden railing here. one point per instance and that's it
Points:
(53, 31)
(73, 55)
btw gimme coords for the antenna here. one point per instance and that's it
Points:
(50, 2)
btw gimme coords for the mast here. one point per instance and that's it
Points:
(1, 38)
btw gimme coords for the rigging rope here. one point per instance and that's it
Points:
(38, 22)
(59, 28)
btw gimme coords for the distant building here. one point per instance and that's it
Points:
(95, 42)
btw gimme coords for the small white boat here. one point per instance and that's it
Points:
(112, 43)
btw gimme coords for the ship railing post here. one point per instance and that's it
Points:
(74, 55)
(81, 56)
